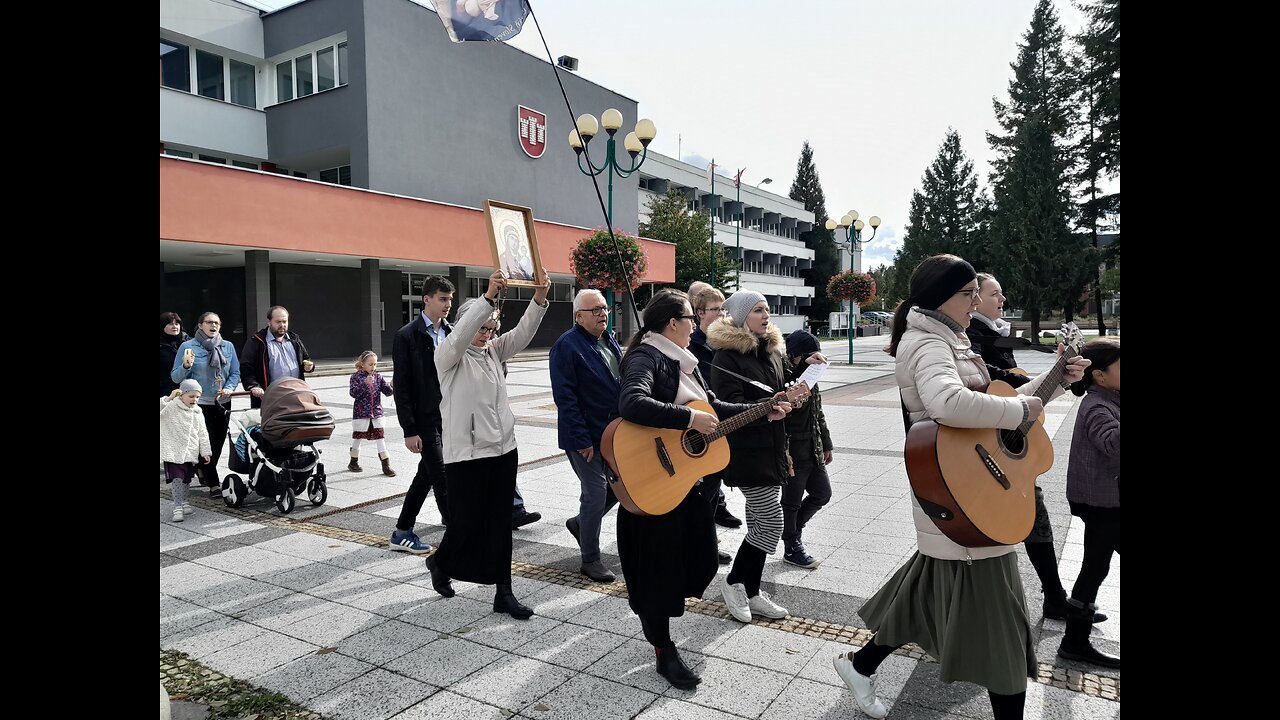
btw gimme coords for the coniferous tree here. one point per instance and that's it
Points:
(945, 214)
(807, 189)
(1032, 249)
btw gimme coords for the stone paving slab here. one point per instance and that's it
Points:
(258, 592)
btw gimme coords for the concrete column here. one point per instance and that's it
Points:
(371, 311)
(257, 289)
(458, 276)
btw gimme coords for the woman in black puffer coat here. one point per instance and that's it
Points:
(747, 344)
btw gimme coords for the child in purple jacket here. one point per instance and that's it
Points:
(368, 387)
(1093, 489)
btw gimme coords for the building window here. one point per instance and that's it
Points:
(175, 66)
(299, 174)
(284, 81)
(209, 74)
(213, 159)
(245, 165)
(337, 176)
(326, 77)
(243, 86)
(302, 71)
(178, 153)
(314, 72)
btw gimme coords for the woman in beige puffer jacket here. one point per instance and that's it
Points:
(964, 606)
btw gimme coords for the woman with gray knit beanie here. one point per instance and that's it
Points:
(748, 345)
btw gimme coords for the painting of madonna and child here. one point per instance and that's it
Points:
(514, 243)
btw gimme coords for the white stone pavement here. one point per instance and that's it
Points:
(258, 602)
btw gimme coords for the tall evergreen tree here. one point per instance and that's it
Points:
(1032, 249)
(671, 220)
(945, 214)
(807, 189)
(1100, 45)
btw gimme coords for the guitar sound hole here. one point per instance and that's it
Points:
(1013, 441)
(694, 443)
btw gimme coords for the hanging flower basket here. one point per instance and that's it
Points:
(595, 263)
(858, 287)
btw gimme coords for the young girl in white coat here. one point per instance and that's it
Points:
(184, 441)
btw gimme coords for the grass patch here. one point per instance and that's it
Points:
(227, 697)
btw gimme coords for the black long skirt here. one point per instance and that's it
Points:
(667, 558)
(477, 543)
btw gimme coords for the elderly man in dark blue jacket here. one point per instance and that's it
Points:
(585, 363)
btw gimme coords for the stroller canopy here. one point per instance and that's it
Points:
(292, 413)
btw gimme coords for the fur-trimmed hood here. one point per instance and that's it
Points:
(723, 335)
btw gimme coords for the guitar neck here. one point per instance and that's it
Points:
(742, 419)
(1053, 378)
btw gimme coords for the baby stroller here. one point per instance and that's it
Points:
(274, 448)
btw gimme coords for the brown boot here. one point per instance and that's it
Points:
(386, 467)
(354, 465)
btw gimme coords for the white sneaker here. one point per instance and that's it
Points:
(735, 598)
(862, 687)
(764, 605)
(186, 508)
(177, 514)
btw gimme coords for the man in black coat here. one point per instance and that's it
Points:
(272, 353)
(417, 394)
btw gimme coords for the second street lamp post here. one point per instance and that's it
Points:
(636, 144)
(741, 218)
(853, 239)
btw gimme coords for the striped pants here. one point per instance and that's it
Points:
(764, 517)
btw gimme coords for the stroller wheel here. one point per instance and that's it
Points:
(317, 490)
(234, 491)
(284, 501)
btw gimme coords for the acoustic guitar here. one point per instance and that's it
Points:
(977, 484)
(654, 468)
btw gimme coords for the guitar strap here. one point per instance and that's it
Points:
(754, 383)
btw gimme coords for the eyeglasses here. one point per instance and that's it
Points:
(972, 293)
(212, 322)
(487, 330)
(691, 318)
(598, 311)
(718, 310)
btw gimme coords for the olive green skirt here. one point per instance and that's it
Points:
(972, 618)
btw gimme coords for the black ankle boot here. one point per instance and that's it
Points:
(505, 602)
(672, 667)
(1055, 608)
(439, 580)
(1075, 641)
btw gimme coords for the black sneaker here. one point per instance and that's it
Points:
(524, 517)
(724, 518)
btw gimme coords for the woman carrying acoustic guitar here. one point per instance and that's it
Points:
(666, 558)
(963, 606)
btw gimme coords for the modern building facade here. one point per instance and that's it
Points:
(329, 155)
(761, 229)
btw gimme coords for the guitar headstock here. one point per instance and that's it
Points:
(798, 392)
(1072, 339)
